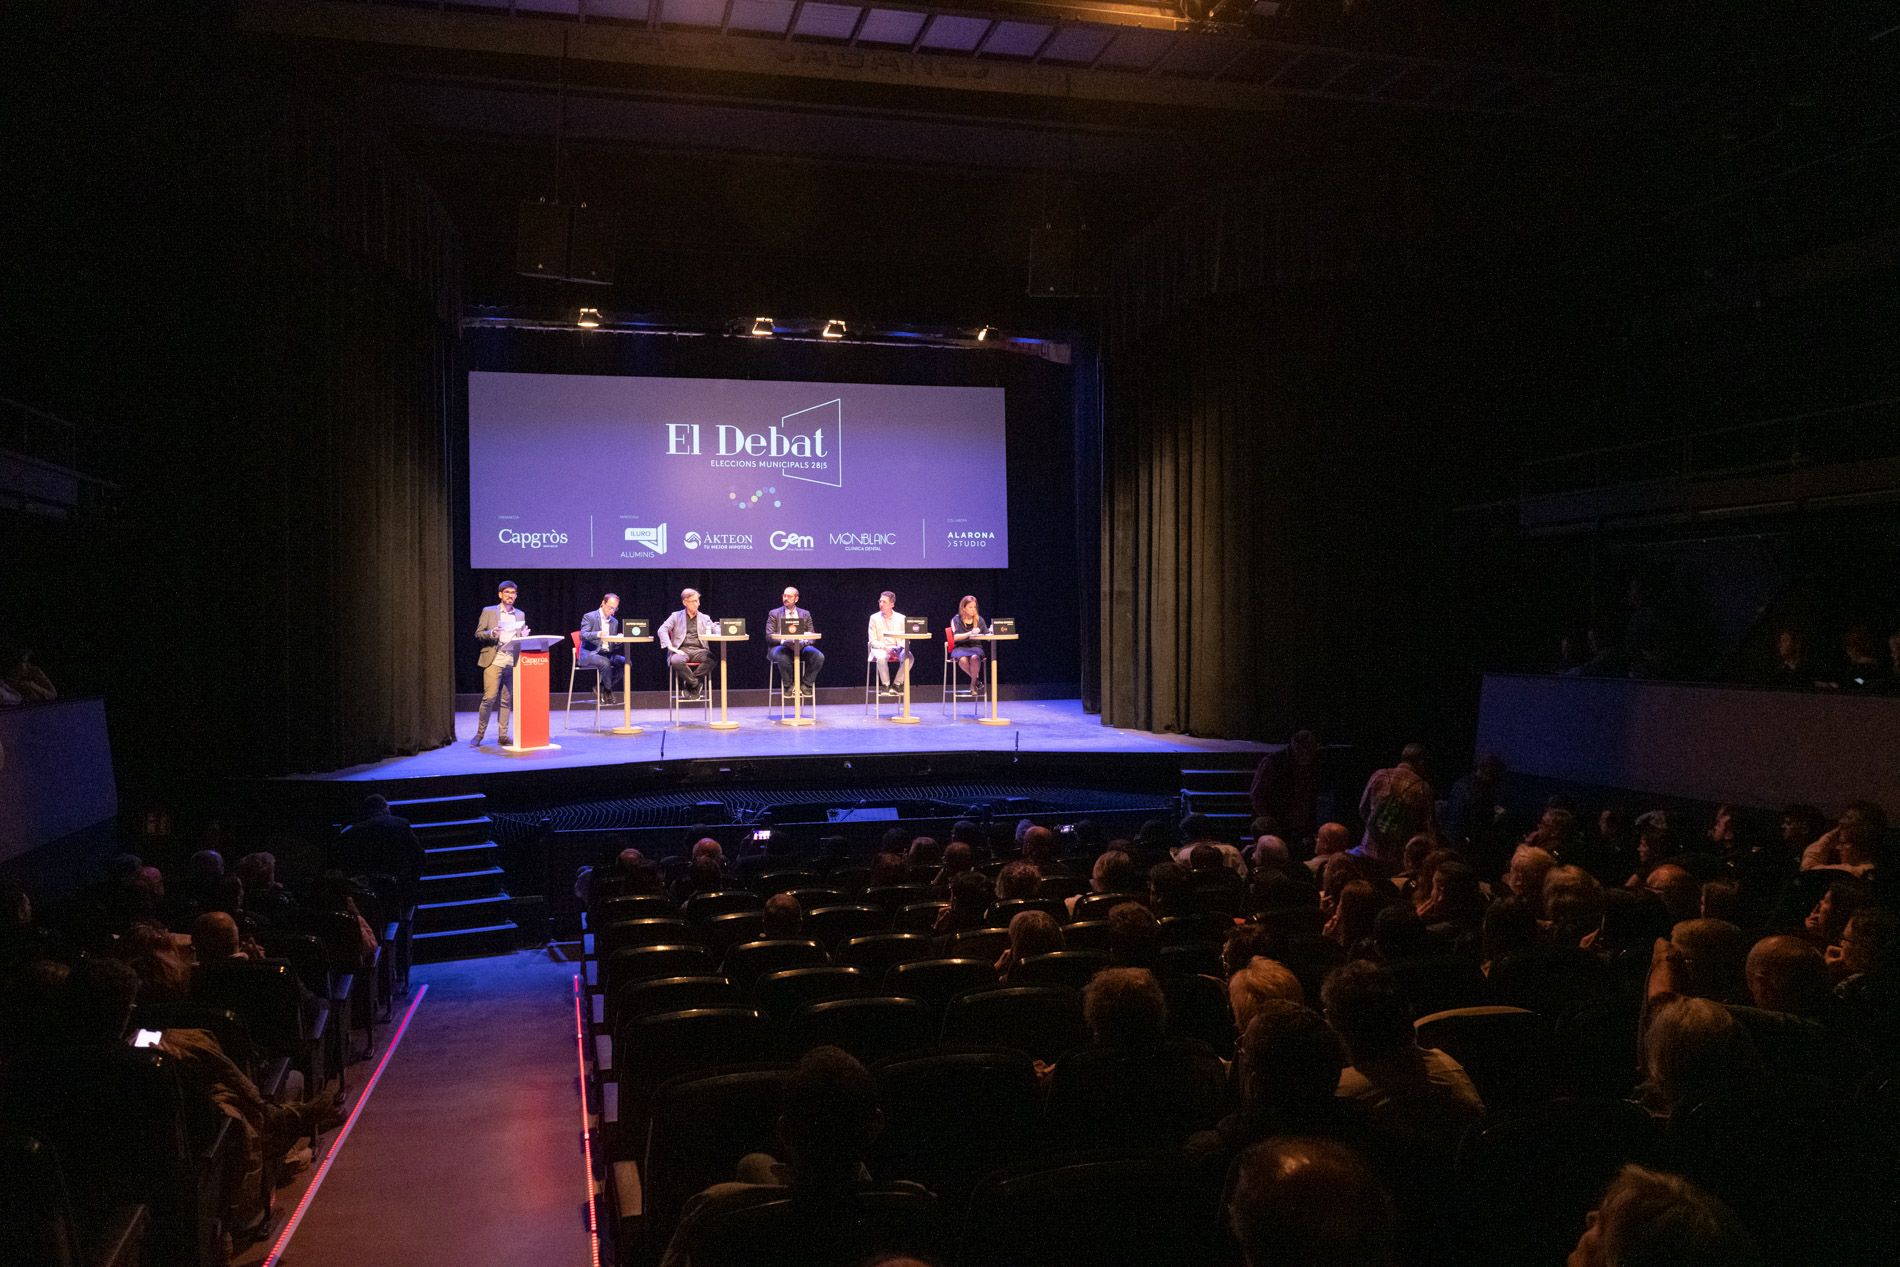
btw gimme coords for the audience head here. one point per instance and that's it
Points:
(829, 1118)
(783, 916)
(1364, 1005)
(1861, 826)
(151, 881)
(1033, 933)
(1256, 983)
(1310, 1203)
(1868, 943)
(966, 832)
(1650, 1219)
(1114, 872)
(1457, 894)
(1573, 903)
(1509, 925)
(214, 936)
(1270, 852)
(1678, 888)
(375, 804)
(1787, 974)
(1632, 921)
(1331, 838)
(1204, 858)
(1167, 884)
(1714, 954)
(708, 850)
(1695, 1047)
(96, 1003)
(153, 953)
(1655, 837)
(1398, 933)
(958, 859)
(1134, 936)
(1524, 877)
(888, 867)
(204, 869)
(1722, 899)
(1041, 847)
(1289, 1058)
(970, 893)
(1802, 825)
(258, 871)
(925, 852)
(1414, 756)
(1245, 943)
(1359, 905)
(1017, 880)
(1125, 1008)
(1829, 917)
(1196, 828)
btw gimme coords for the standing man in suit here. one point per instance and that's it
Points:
(782, 652)
(683, 638)
(497, 630)
(595, 654)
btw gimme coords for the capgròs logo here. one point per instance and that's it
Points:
(531, 540)
(793, 541)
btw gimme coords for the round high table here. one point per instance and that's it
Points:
(798, 682)
(724, 722)
(993, 640)
(626, 726)
(908, 718)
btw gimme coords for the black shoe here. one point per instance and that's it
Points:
(609, 701)
(505, 742)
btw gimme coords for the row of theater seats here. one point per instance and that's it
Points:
(129, 1160)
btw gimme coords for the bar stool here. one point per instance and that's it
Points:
(954, 693)
(874, 693)
(676, 703)
(574, 669)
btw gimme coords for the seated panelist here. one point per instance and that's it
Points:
(886, 647)
(781, 653)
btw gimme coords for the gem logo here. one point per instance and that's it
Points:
(653, 538)
(793, 541)
(531, 540)
(691, 540)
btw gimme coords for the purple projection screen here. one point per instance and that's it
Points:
(588, 470)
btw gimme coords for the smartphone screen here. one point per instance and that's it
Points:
(147, 1038)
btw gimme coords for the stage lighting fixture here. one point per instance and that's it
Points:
(983, 334)
(589, 319)
(762, 326)
(833, 330)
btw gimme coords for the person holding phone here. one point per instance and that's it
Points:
(968, 654)
(498, 629)
(886, 646)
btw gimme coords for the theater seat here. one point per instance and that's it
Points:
(648, 931)
(894, 897)
(937, 981)
(677, 994)
(748, 961)
(1086, 934)
(1437, 983)
(779, 994)
(766, 1227)
(1199, 1008)
(1000, 913)
(700, 1124)
(952, 1116)
(1072, 968)
(1043, 1021)
(1527, 1177)
(37, 1222)
(641, 906)
(1098, 905)
(648, 963)
(701, 907)
(722, 932)
(917, 917)
(1105, 1209)
(648, 1050)
(1506, 1051)
(876, 952)
(1191, 959)
(1149, 1097)
(980, 943)
(830, 925)
(870, 1028)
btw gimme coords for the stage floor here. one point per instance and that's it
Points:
(842, 730)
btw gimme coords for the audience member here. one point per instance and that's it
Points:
(1397, 804)
(958, 859)
(1678, 888)
(1693, 1048)
(1788, 974)
(1838, 903)
(1530, 865)
(784, 917)
(1257, 982)
(1030, 933)
(1650, 1219)
(379, 842)
(1310, 1203)
(1017, 880)
(1134, 937)
(1853, 845)
(1288, 784)
(1114, 872)
(1573, 906)
(1329, 840)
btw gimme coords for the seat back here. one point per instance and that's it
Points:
(1438, 983)
(676, 994)
(645, 931)
(1527, 1177)
(646, 963)
(783, 879)
(1192, 959)
(830, 925)
(779, 994)
(610, 910)
(917, 917)
(1552, 981)
(1086, 934)
(1505, 1051)
(812, 896)
(1098, 905)
(1203, 926)
(1199, 1008)
(937, 981)
(1000, 913)
(1149, 1097)
(748, 961)
(1042, 1021)
(700, 1124)
(701, 907)
(650, 1049)
(980, 943)
(264, 995)
(1071, 968)
(36, 1216)
(234, 1038)
(770, 1227)
(870, 1028)
(876, 952)
(892, 897)
(304, 952)
(849, 878)
(953, 1116)
(1115, 1209)
(722, 932)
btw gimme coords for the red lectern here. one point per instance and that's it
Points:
(531, 693)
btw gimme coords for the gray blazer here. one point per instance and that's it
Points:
(591, 631)
(674, 629)
(488, 633)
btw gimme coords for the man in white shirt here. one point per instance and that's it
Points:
(683, 638)
(497, 630)
(887, 648)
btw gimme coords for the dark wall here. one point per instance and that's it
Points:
(1038, 587)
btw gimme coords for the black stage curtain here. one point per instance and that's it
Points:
(1038, 587)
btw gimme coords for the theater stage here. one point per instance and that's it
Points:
(1039, 726)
